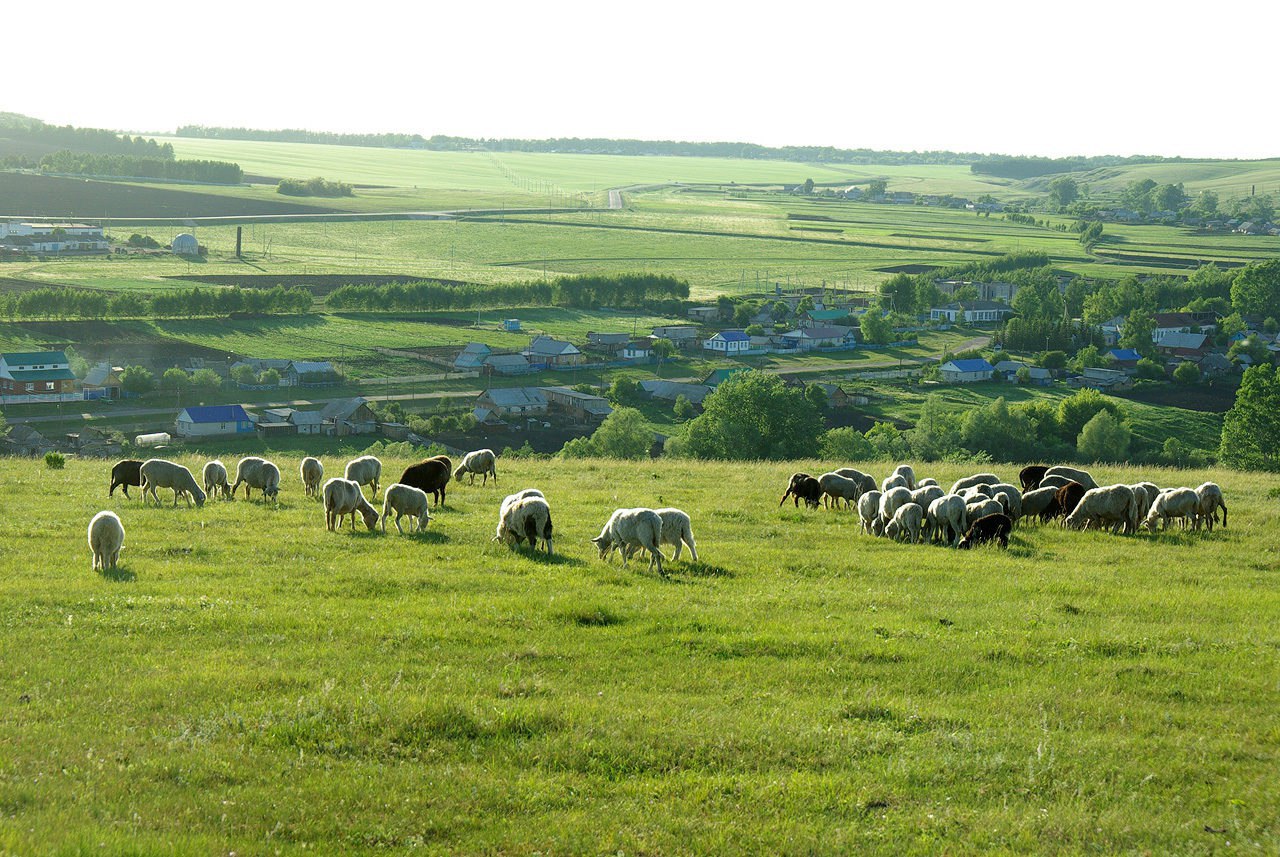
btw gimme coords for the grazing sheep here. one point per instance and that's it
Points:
(106, 539)
(365, 470)
(836, 488)
(124, 474)
(981, 508)
(1172, 503)
(869, 511)
(1081, 476)
(405, 500)
(907, 473)
(946, 518)
(312, 473)
(254, 472)
(677, 531)
(925, 495)
(431, 475)
(926, 482)
(627, 528)
(985, 529)
(1112, 506)
(343, 497)
(1057, 480)
(159, 473)
(1067, 498)
(215, 480)
(866, 482)
(973, 492)
(1145, 493)
(525, 517)
(975, 479)
(891, 501)
(482, 461)
(1035, 503)
(905, 524)
(1011, 498)
(803, 487)
(1031, 475)
(896, 480)
(1210, 501)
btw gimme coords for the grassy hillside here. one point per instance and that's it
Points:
(249, 682)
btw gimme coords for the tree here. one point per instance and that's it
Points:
(663, 348)
(79, 366)
(683, 408)
(753, 415)
(845, 444)
(875, 328)
(269, 378)
(1169, 197)
(899, 293)
(1138, 327)
(1186, 374)
(816, 396)
(754, 330)
(1104, 438)
(1206, 203)
(808, 185)
(1150, 370)
(1256, 289)
(1053, 360)
(1250, 430)
(1076, 410)
(1002, 433)
(206, 381)
(877, 187)
(1254, 347)
(936, 433)
(623, 390)
(174, 379)
(1138, 195)
(1063, 191)
(623, 434)
(137, 380)
(244, 374)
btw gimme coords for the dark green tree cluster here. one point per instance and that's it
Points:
(82, 163)
(48, 303)
(97, 140)
(314, 187)
(754, 416)
(1250, 430)
(434, 295)
(620, 290)
(297, 135)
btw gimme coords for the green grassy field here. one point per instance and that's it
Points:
(249, 682)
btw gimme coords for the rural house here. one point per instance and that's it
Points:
(299, 422)
(1170, 323)
(24, 440)
(704, 314)
(638, 349)
(551, 352)
(36, 374)
(669, 390)
(513, 401)
(718, 376)
(102, 382)
(609, 343)
(1009, 370)
(825, 338)
(508, 364)
(581, 407)
(472, 357)
(681, 335)
(966, 371)
(311, 373)
(1124, 359)
(348, 416)
(972, 312)
(212, 420)
(1189, 345)
(728, 343)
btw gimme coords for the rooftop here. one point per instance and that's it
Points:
(215, 414)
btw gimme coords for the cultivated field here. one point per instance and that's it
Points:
(249, 682)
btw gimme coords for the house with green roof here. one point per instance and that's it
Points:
(35, 373)
(719, 376)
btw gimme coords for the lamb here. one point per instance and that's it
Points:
(891, 501)
(106, 540)
(836, 488)
(482, 461)
(1112, 505)
(1010, 497)
(1081, 476)
(803, 487)
(632, 528)
(159, 473)
(525, 516)
(869, 511)
(255, 472)
(431, 475)
(215, 479)
(905, 524)
(365, 470)
(985, 529)
(1037, 502)
(975, 479)
(905, 471)
(312, 471)
(124, 474)
(343, 497)
(405, 500)
(1030, 476)
(946, 518)
(1172, 503)
(1210, 501)
(866, 482)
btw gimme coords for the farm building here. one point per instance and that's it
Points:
(24, 440)
(185, 244)
(348, 416)
(471, 357)
(966, 371)
(513, 401)
(36, 373)
(53, 237)
(212, 420)
(1171, 323)
(582, 407)
(681, 335)
(728, 342)
(669, 390)
(972, 312)
(311, 373)
(718, 376)
(1103, 379)
(703, 313)
(549, 351)
(811, 338)
(1189, 345)
(1009, 370)
(609, 343)
(823, 317)
(508, 364)
(299, 422)
(638, 349)
(102, 382)
(1124, 359)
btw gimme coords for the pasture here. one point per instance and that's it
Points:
(249, 682)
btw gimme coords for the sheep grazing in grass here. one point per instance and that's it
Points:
(945, 519)
(976, 492)
(1145, 494)
(255, 472)
(431, 475)
(866, 482)
(907, 473)
(124, 474)
(1172, 503)
(628, 530)
(365, 470)
(343, 497)
(869, 511)
(215, 480)
(482, 461)
(976, 479)
(1066, 500)
(988, 528)
(525, 517)
(1011, 498)
(1037, 502)
(891, 501)
(1210, 502)
(1030, 476)
(926, 494)
(926, 482)
(106, 539)
(906, 524)
(677, 531)
(803, 487)
(1110, 507)
(159, 473)
(895, 480)
(837, 488)
(1057, 480)
(1072, 473)
(405, 500)
(312, 472)
(981, 508)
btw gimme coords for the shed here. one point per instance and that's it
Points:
(185, 244)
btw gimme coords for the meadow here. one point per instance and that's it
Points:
(249, 682)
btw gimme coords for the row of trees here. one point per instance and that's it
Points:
(24, 128)
(64, 303)
(314, 187)
(649, 291)
(83, 163)
(298, 135)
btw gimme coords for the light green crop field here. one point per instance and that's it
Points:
(249, 682)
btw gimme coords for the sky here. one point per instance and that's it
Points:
(1087, 77)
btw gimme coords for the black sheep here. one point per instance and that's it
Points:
(803, 487)
(431, 476)
(985, 529)
(125, 473)
(1031, 475)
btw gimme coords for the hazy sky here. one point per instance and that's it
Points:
(1086, 77)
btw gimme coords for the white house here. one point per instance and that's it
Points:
(972, 312)
(728, 342)
(638, 349)
(966, 371)
(810, 338)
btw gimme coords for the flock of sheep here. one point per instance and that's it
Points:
(982, 508)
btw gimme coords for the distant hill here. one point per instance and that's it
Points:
(24, 136)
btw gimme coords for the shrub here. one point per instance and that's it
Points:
(54, 460)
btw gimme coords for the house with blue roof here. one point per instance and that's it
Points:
(1124, 359)
(728, 343)
(966, 371)
(212, 421)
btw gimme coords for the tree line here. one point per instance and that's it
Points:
(299, 135)
(16, 127)
(651, 291)
(314, 187)
(83, 163)
(65, 303)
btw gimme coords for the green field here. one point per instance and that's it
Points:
(249, 682)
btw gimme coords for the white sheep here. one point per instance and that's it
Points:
(866, 482)
(905, 524)
(312, 471)
(1036, 501)
(215, 479)
(869, 511)
(976, 479)
(405, 500)
(525, 518)
(1075, 474)
(926, 482)
(482, 461)
(343, 497)
(365, 470)
(106, 540)
(641, 528)
(980, 508)
(1111, 506)
(896, 480)
(1210, 501)
(159, 473)
(836, 488)
(926, 494)
(677, 531)
(1173, 503)
(1010, 497)
(255, 472)
(946, 519)
(907, 473)
(891, 501)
